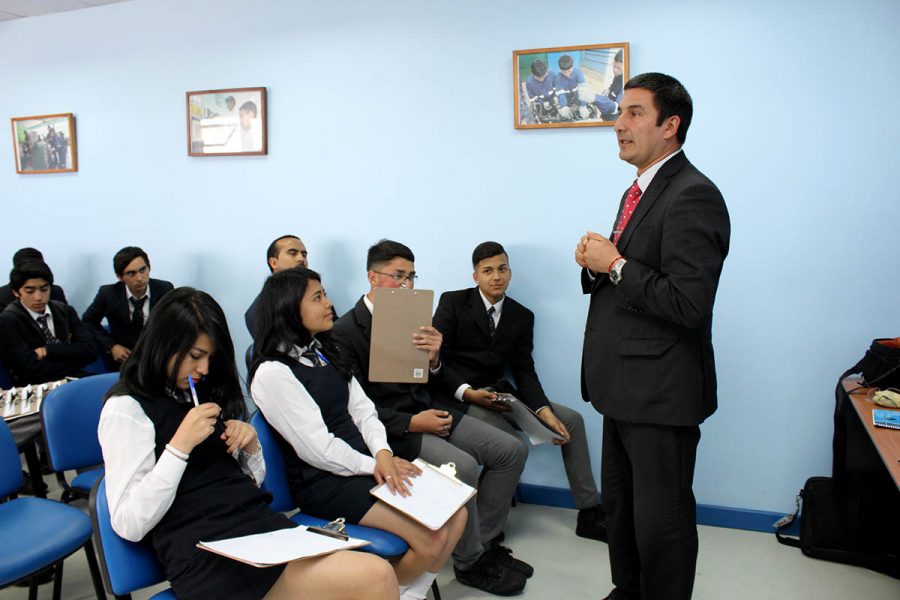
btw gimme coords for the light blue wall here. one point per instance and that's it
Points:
(394, 119)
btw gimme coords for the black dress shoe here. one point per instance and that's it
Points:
(618, 594)
(592, 523)
(502, 556)
(488, 576)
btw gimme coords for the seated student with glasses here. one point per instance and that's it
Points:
(335, 447)
(125, 305)
(182, 472)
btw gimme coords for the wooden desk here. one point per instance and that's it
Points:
(886, 441)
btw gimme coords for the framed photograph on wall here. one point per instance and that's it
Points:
(569, 86)
(229, 122)
(45, 144)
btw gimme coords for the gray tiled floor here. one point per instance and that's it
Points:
(733, 565)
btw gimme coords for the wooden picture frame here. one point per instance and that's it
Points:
(545, 96)
(227, 122)
(45, 144)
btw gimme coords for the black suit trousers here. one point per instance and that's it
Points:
(647, 474)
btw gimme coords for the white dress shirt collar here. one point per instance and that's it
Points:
(498, 307)
(647, 176)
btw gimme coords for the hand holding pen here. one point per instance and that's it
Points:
(197, 424)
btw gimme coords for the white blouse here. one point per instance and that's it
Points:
(291, 410)
(139, 488)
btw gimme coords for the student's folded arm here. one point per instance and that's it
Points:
(289, 408)
(139, 488)
(93, 320)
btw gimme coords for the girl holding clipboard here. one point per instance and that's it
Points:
(181, 471)
(335, 447)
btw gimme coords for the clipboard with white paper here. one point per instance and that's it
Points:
(278, 547)
(435, 496)
(529, 422)
(398, 314)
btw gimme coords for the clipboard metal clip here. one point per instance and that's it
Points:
(335, 529)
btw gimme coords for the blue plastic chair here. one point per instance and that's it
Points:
(37, 533)
(70, 415)
(384, 544)
(125, 566)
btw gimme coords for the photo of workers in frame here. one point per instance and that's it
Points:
(229, 122)
(569, 86)
(45, 144)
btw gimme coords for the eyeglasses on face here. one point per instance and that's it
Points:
(400, 277)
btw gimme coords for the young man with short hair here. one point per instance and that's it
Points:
(22, 255)
(417, 427)
(283, 253)
(488, 334)
(41, 339)
(125, 305)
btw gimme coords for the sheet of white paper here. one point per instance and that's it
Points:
(434, 498)
(278, 547)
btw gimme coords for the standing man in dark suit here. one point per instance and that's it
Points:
(22, 255)
(647, 362)
(125, 305)
(41, 339)
(283, 253)
(487, 334)
(418, 427)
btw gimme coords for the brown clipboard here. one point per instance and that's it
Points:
(397, 315)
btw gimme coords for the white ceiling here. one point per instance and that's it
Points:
(18, 9)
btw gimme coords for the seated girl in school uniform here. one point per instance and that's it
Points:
(335, 447)
(179, 471)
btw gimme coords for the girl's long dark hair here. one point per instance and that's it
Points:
(172, 329)
(279, 325)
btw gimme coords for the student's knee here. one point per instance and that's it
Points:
(467, 469)
(382, 578)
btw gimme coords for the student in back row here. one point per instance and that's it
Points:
(125, 305)
(41, 339)
(22, 255)
(440, 434)
(283, 253)
(487, 335)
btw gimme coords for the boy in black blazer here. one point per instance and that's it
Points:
(125, 305)
(22, 255)
(488, 334)
(41, 339)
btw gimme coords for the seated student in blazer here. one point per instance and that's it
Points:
(487, 334)
(22, 255)
(41, 339)
(179, 472)
(335, 447)
(440, 434)
(284, 252)
(125, 305)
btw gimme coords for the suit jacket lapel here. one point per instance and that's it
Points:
(364, 318)
(657, 186)
(476, 310)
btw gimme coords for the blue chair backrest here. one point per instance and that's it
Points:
(10, 466)
(5, 378)
(276, 482)
(126, 566)
(70, 415)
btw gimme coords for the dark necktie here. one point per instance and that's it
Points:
(631, 202)
(49, 338)
(312, 355)
(492, 328)
(137, 313)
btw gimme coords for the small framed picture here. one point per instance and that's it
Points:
(228, 122)
(569, 86)
(45, 144)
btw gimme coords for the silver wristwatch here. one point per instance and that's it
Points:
(615, 273)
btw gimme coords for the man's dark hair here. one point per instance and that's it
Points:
(24, 254)
(669, 97)
(538, 68)
(565, 62)
(486, 250)
(124, 257)
(385, 251)
(248, 106)
(272, 251)
(29, 269)
(170, 333)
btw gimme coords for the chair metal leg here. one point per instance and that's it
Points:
(94, 568)
(57, 581)
(435, 591)
(33, 588)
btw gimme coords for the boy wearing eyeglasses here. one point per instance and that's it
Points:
(126, 305)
